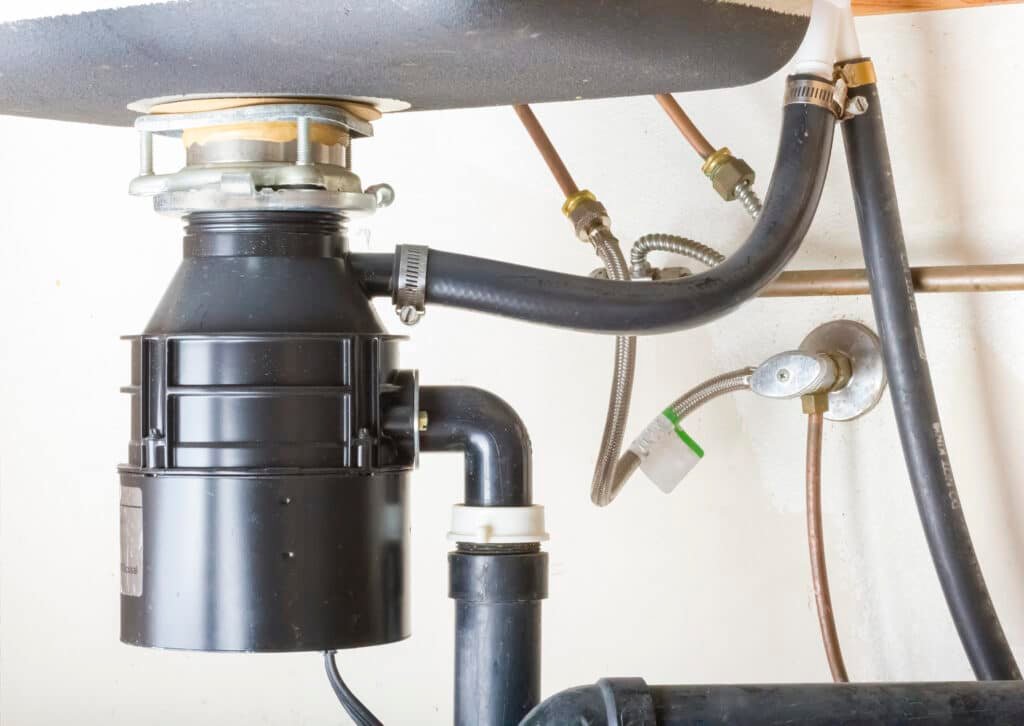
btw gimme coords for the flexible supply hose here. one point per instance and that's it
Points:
(816, 546)
(674, 244)
(626, 308)
(709, 390)
(624, 368)
(917, 414)
(611, 472)
(602, 488)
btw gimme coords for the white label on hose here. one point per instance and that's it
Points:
(666, 452)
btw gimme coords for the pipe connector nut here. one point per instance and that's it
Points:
(727, 173)
(587, 215)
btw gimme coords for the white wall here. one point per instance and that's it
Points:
(708, 585)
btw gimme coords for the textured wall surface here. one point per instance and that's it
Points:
(710, 584)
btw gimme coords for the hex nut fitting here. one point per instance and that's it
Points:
(583, 195)
(814, 403)
(588, 216)
(726, 173)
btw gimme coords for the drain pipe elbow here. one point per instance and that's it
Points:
(497, 574)
(609, 701)
(492, 437)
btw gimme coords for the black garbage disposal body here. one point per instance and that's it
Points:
(264, 503)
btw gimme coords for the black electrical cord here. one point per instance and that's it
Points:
(917, 414)
(359, 713)
(624, 308)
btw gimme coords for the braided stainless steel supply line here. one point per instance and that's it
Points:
(602, 488)
(611, 471)
(738, 380)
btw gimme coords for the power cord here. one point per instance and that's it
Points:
(359, 713)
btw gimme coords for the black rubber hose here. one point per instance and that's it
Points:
(359, 713)
(616, 701)
(624, 308)
(917, 414)
(492, 437)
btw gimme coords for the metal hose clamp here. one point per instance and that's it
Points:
(857, 73)
(815, 92)
(410, 296)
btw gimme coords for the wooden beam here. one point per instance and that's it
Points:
(882, 7)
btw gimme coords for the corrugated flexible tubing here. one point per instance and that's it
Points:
(625, 308)
(660, 242)
(917, 413)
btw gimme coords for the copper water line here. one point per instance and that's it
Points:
(949, 278)
(686, 127)
(816, 545)
(547, 150)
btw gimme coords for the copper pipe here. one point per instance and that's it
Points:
(816, 545)
(546, 149)
(686, 127)
(950, 278)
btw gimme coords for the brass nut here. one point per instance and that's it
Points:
(726, 172)
(814, 403)
(573, 200)
(587, 216)
(423, 420)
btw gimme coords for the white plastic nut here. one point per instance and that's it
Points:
(497, 525)
(666, 452)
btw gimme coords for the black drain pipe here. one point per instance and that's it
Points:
(917, 414)
(497, 588)
(490, 435)
(618, 701)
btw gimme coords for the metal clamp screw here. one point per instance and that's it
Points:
(855, 106)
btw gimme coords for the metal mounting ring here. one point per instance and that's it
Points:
(410, 296)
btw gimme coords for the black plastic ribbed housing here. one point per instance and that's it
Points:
(263, 505)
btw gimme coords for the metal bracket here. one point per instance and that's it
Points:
(410, 296)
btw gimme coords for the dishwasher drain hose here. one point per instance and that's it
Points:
(917, 414)
(624, 308)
